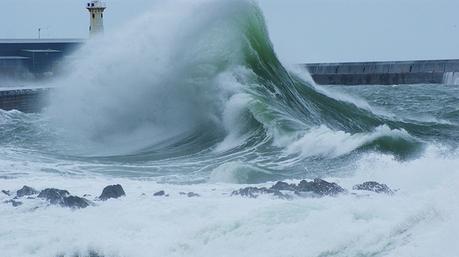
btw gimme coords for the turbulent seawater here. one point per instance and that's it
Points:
(190, 97)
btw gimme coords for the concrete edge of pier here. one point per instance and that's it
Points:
(28, 100)
(385, 73)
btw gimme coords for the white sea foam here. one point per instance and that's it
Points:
(302, 73)
(238, 172)
(419, 220)
(323, 141)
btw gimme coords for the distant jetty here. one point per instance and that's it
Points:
(385, 73)
(32, 59)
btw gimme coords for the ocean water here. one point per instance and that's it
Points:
(191, 97)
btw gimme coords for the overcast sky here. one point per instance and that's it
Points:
(301, 30)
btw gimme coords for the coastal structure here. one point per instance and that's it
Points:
(96, 10)
(28, 100)
(30, 59)
(25, 60)
(386, 73)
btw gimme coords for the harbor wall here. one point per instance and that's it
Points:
(28, 100)
(31, 59)
(385, 73)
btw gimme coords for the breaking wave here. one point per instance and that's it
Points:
(208, 82)
(202, 91)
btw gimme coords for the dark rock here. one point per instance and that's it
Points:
(63, 198)
(374, 187)
(113, 191)
(283, 186)
(26, 190)
(6, 192)
(54, 196)
(182, 193)
(251, 192)
(75, 202)
(160, 193)
(14, 203)
(191, 194)
(254, 192)
(319, 187)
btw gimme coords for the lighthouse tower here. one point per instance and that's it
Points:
(96, 16)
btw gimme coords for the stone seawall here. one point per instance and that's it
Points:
(385, 73)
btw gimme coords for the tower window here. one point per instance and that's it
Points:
(93, 16)
(101, 15)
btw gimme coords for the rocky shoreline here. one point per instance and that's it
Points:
(282, 190)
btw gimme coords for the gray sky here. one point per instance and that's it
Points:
(301, 30)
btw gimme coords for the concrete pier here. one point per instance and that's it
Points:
(27, 100)
(385, 73)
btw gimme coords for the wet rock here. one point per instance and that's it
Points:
(160, 193)
(254, 192)
(113, 191)
(25, 191)
(192, 194)
(6, 192)
(54, 196)
(14, 203)
(75, 202)
(374, 187)
(283, 186)
(319, 187)
(63, 198)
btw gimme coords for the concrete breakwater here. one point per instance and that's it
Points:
(386, 73)
(27, 100)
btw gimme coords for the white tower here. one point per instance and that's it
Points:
(96, 16)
